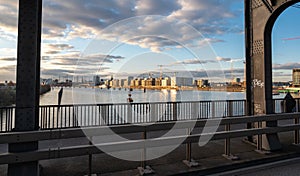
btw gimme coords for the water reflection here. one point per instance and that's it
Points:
(95, 96)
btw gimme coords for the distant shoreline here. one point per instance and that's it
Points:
(220, 89)
(8, 95)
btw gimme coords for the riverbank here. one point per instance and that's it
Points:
(218, 89)
(7, 97)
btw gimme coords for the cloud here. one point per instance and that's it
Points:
(82, 19)
(161, 7)
(158, 33)
(238, 72)
(287, 66)
(51, 49)
(9, 14)
(182, 23)
(8, 20)
(8, 59)
(280, 74)
(8, 68)
(291, 38)
(8, 72)
(194, 61)
(222, 59)
(206, 16)
(7, 35)
(73, 63)
(86, 19)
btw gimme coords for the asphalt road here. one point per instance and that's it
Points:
(289, 167)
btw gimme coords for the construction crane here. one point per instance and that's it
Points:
(231, 69)
(161, 73)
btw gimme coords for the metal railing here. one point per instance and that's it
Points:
(72, 116)
(69, 116)
(7, 117)
(279, 105)
(117, 146)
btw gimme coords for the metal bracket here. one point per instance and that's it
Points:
(264, 152)
(231, 157)
(191, 163)
(145, 170)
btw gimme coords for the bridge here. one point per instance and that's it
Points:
(23, 154)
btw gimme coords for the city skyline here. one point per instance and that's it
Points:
(133, 37)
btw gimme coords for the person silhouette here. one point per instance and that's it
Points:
(129, 99)
(289, 103)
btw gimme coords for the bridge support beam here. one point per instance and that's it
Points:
(28, 82)
(260, 18)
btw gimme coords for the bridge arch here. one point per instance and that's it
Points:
(260, 17)
(269, 30)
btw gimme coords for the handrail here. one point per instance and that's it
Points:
(134, 103)
(19, 137)
(76, 115)
(42, 154)
(99, 104)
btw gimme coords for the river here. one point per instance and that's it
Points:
(88, 115)
(97, 96)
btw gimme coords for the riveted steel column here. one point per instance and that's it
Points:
(262, 15)
(28, 82)
(248, 42)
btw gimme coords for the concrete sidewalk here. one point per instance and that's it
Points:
(209, 157)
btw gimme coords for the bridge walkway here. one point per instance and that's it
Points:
(209, 157)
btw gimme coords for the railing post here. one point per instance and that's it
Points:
(104, 114)
(283, 106)
(213, 109)
(129, 113)
(227, 141)
(259, 143)
(188, 148)
(144, 169)
(250, 125)
(274, 106)
(259, 138)
(298, 105)
(189, 161)
(227, 150)
(153, 112)
(195, 110)
(230, 108)
(175, 111)
(90, 170)
(296, 132)
(227, 153)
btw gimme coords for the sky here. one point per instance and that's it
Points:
(198, 38)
